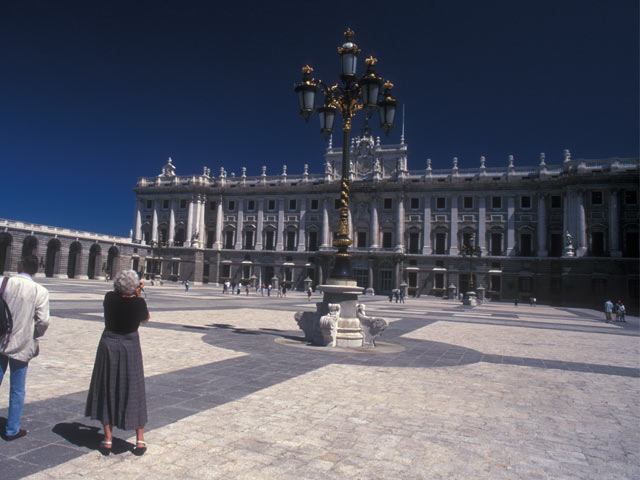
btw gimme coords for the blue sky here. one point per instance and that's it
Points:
(95, 94)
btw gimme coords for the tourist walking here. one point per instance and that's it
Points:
(309, 291)
(186, 286)
(608, 309)
(268, 290)
(28, 304)
(284, 290)
(620, 312)
(117, 392)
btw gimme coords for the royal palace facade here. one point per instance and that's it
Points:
(564, 232)
(556, 232)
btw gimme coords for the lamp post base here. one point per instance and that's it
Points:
(470, 299)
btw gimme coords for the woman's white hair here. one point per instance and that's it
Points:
(126, 282)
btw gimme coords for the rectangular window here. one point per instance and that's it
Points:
(414, 242)
(439, 281)
(210, 238)
(178, 240)
(271, 205)
(467, 203)
(362, 240)
(386, 240)
(441, 203)
(175, 268)
(631, 247)
(314, 204)
(162, 237)
(228, 239)
(293, 204)
(412, 279)
(362, 277)
(496, 244)
(183, 204)
(386, 280)
(415, 203)
(495, 283)
(149, 204)
(231, 206)
(556, 245)
(213, 205)
(336, 203)
(596, 198)
(597, 244)
(496, 203)
(441, 243)
(269, 240)
(556, 285)
(556, 201)
(387, 203)
(630, 197)
(225, 271)
(165, 204)
(251, 205)
(312, 244)
(525, 202)
(248, 240)
(291, 241)
(526, 249)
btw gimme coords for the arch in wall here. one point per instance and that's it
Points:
(29, 246)
(75, 255)
(112, 261)
(5, 251)
(95, 253)
(52, 258)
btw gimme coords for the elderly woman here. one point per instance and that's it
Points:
(117, 393)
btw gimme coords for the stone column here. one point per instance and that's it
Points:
(511, 224)
(172, 222)
(154, 222)
(189, 233)
(482, 224)
(400, 225)
(542, 226)
(453, 240)
(219, 217)
(260, 226)
(325, 226)
(581, 225)
(426, 227)
(374, 232)
(370, 290)
(280, 232)
(614, 241)
(203, 224)
(397, 274)
(302, 238)
(239, 226)
(138, 225)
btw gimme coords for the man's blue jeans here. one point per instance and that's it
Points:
(16, 392)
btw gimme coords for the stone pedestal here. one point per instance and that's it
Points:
(470, 299)
(344, 293)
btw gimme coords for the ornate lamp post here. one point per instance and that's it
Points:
(468, 250)
(355, 93)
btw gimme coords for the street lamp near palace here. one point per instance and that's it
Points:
(469, 250)
(353, 94)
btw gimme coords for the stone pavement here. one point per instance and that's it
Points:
(493, 392)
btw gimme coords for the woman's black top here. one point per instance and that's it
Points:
(123, 314)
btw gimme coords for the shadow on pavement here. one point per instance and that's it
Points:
(89, 437)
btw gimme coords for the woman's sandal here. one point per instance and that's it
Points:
(105, 447)
(139, 451)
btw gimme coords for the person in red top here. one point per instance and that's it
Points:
(117, 392)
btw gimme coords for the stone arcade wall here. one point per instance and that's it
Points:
(66, 253)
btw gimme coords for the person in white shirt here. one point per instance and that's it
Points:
(28, 303)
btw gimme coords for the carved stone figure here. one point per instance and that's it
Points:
(372, 327)
(308, 323)
(329, 325)
(568, 240)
